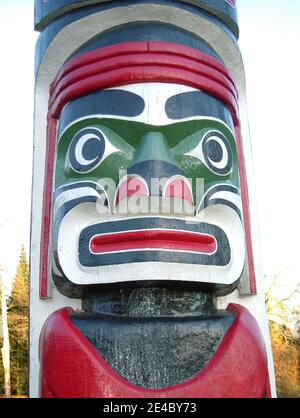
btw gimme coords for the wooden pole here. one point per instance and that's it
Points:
(5, 350)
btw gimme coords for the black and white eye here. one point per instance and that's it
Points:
(215, 151)
(87, 150)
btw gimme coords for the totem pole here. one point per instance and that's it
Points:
(145, 265)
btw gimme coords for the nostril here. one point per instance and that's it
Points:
(180, 188)
(130, 186)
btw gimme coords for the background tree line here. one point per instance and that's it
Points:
(284, 321)
(18, 314)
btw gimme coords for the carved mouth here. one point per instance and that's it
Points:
(155, 239)
(160, 239)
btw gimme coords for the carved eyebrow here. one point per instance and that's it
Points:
(104, 102)
(197, 103)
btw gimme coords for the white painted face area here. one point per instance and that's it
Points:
(87, 214)
(155, 97)
(227, 219)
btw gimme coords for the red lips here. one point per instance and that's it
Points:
(134, 185)
(159, 239)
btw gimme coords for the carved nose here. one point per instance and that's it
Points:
(154, 172)
(153, 147)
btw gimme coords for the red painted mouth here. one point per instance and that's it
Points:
(153, 239)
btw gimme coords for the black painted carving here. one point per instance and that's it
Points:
(147, 31)
(196, 103)
(220, 258)
(154, 337)
(105, 102)
(52, 27)
(207, 201)
(151, 300)
(86, 150)
(213, 152)
(155, 169)
(47, 11)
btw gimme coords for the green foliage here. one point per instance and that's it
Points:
(286, 354)
(18, 308)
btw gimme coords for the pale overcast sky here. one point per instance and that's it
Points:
(270, 36)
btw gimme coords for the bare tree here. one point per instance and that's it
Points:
(283, 312)
(279, 306)
(5, 350)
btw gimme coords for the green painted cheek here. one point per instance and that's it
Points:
(136, 142)
(108, 168)
(195, 168)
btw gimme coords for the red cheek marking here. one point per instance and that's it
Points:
(131, 186)
(179, 188)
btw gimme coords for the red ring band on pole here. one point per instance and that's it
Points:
(165, 48)
(134, 60)
(141, 74)
(137, 62)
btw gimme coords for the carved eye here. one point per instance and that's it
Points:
(215, 151)
(87, 150)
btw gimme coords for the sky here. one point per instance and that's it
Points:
(269, 41)
(270, 33)
(17, 42)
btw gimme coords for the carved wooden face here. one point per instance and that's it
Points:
(146, 188)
